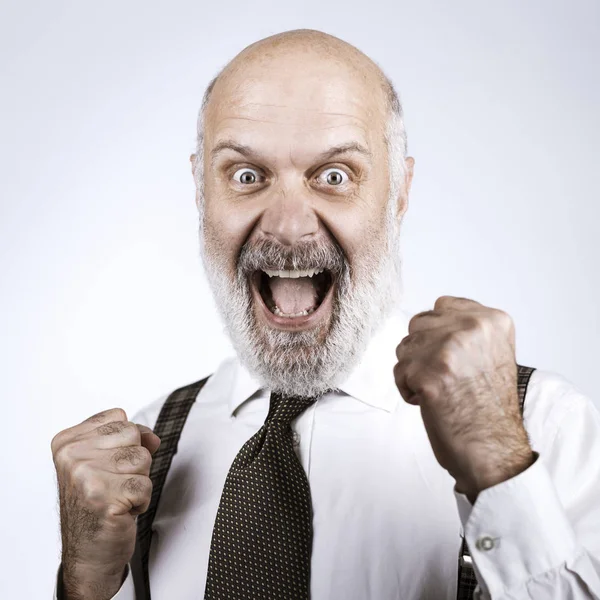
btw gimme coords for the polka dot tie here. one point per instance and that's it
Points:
(262, 538)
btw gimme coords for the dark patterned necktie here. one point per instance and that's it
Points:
(262, 538)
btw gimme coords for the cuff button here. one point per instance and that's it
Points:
(485, 543)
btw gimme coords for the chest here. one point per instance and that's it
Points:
(385, 520)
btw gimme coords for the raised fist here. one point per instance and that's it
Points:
(102, 467)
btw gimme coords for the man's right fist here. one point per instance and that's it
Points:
(102, 467)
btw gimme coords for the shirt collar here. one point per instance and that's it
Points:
(371, 381)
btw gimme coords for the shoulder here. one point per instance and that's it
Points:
(553, 402)
(148, 414)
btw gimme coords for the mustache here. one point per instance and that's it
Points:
(268, 254)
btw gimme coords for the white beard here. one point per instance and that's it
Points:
(297, 363)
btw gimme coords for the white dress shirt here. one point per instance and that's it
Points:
(387, 518)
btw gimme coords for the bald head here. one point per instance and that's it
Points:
(305, 45)
(294, 56)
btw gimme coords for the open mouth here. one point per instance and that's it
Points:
(293, 297)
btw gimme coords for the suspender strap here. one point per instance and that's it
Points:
(467, 581)
(169, 425)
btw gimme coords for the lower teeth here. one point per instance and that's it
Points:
(278, 312)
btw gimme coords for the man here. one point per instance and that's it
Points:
(300, 471)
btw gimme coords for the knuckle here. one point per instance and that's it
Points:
(461, 339)
(56, 442)
(413, 339)
(411, 324)
(126, 429)
(131, 432)
(417, 319)
(80, 473)
(131, 485)
(472, 322)
(399, 350)
(110, 428)
(138, 485)
(64, 454)
(444, 301)
(422, 385)
(121, 414)
(445, 357)
(407, 343)
(453, 343)
(137, 456)
(125, 455)
(93, 489)
(503, 318)
(112, 414)
(129, 426)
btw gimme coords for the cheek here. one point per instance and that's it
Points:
(227, 229)
(360, 231)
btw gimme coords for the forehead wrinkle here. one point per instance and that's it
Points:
(266, 120)
(236, 101)
(343, 148)
(308, 130)
(254, 120)
(304, 108)
(327, 127)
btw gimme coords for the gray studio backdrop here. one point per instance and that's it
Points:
(103, 302)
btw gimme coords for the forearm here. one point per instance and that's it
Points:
(83, 583)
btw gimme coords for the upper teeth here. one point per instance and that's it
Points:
(294, 274)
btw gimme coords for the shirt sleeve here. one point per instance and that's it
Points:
(126, 591)
(537, 535)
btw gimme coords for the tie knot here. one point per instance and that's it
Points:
(285, 409)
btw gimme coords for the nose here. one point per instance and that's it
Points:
(289, 218)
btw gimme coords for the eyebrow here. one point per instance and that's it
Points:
(346, 148)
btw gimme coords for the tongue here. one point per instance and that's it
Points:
(293, 295)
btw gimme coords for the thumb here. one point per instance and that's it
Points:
(148, 438)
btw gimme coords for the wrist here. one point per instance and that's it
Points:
(83, 582)
(472, 485)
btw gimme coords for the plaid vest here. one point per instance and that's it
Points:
(169, 426)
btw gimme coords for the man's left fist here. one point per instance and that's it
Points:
(458, 364)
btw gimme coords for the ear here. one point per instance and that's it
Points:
(404, 192)
(193, 164)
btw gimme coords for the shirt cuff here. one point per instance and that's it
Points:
(126, 591)
(516, 530)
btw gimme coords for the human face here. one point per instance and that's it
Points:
(296, 179)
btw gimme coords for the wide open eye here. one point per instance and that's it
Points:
(247, 176)
(334, 176)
